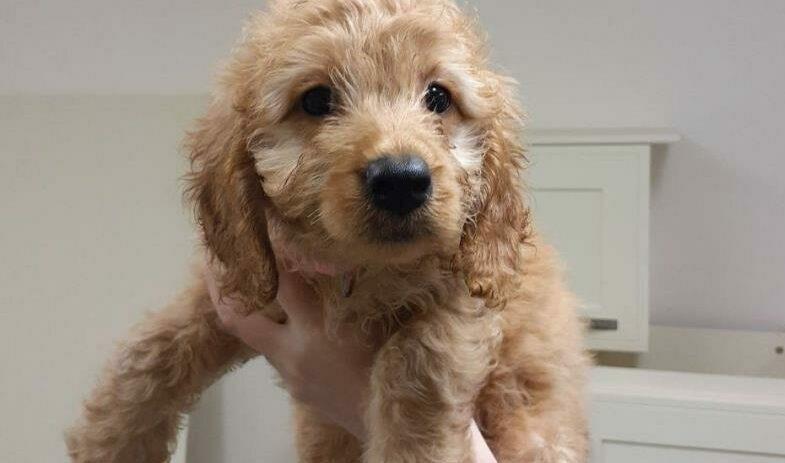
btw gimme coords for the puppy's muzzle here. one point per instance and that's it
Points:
(398, 184)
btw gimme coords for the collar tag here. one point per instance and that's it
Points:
(347, 284)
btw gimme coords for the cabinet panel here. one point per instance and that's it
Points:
(653, 426)
(620, 452)
(559, 211)
(646, 416)
(592, 204)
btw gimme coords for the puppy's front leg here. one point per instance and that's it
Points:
(133, 414)
(424, 382)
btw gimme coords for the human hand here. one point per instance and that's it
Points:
(327, 372)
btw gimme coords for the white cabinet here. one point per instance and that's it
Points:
(590, 195)
(645, 416)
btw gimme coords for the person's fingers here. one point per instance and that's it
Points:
(227, 307)
(212, 284)
(297, 298)
(230, 312)
(260, 333)
(256, 330)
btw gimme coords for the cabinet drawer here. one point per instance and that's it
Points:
(592, 203)
(642, 416)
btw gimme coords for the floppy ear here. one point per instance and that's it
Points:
(230, 203)
(493, 238)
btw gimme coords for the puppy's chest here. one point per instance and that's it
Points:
(387, 299)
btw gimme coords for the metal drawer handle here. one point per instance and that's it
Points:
(604, 324)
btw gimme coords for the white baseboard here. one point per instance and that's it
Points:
(745, 353)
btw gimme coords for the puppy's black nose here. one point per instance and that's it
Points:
(398, 184)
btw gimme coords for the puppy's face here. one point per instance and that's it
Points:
(361, 132)
(370, 138)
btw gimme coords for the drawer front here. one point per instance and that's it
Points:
(592, 204)
(624, 431)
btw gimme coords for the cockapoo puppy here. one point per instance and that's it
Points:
(369, 137)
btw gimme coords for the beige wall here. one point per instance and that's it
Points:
(93, 234)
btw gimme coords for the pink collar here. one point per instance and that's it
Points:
(295, 261)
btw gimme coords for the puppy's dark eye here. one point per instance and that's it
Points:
(318, 101)
(437, 98)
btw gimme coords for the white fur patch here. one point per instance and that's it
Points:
(556, 451)
(277, 162)
(467, 148)
(537, 441)
(468, 87)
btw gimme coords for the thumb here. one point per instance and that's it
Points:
(260, 333)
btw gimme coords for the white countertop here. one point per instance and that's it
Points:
(629, 384)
